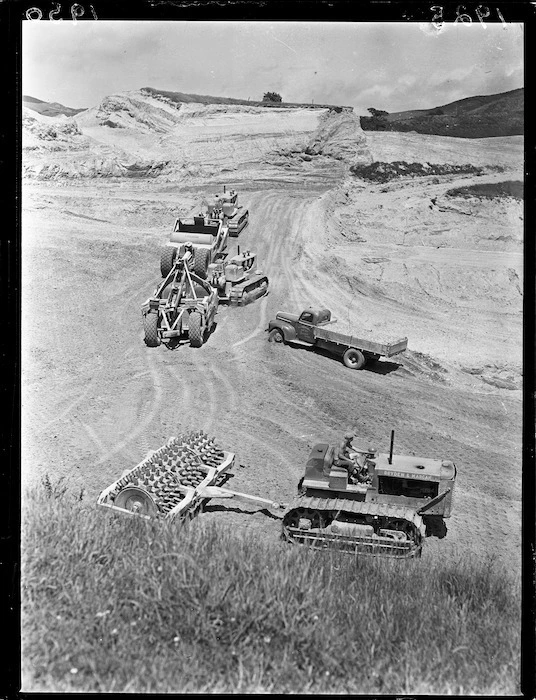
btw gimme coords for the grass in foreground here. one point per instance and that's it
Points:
(113, 604)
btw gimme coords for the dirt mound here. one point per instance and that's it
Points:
(131, 110)
(47, 128)
(340, 136)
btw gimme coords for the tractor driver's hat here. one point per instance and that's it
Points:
(349, 436)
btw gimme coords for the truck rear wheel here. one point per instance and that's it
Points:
(167, 258)
(150, 328)
(195, 329)
(354, 359)
(276, 336)
(201, 262)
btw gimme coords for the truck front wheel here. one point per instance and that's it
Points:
(354, 359)
(276, 336)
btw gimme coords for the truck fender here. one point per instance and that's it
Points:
(289, 332)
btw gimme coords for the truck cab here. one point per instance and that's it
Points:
(300, 328)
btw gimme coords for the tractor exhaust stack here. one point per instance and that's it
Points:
(391, 448)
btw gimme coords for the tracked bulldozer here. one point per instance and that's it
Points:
(395, 504)
(386, 510)
(225, 207)
(184, 304)
(237, 280)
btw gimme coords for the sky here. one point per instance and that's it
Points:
(389, 66)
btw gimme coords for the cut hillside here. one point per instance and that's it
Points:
(143, 133)
(482, 116)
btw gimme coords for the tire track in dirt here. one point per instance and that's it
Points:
(103, 449)
(272, 264)
(66, 411)
(148, 413)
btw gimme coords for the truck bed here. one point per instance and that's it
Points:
(385, 349)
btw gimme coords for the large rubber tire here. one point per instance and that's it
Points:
(167, 259)
(276, 336)
(195, 329)
(201, 262)
(354, 359)
(150, 327)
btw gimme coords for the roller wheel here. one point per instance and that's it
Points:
(167, 259)
(276, 336)
(354, 359)
(150, 327)
(137, 500)
(201, 262)
(195, 330)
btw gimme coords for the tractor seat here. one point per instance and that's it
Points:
(328, 460)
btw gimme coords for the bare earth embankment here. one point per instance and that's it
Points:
(389, 259)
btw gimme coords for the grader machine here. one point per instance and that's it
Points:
(400, 501)
(183, 304)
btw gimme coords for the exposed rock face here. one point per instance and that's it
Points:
(340, 136)
(176, 140)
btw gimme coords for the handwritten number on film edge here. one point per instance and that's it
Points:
(77, 11)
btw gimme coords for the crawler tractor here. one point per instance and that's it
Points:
(236, 279)
(183, 304)
(388, 511)
(398, 501)
(224, 206)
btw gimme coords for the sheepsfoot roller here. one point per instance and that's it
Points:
(176, 480)
(236, 280)
(384, 510)
(183, 305)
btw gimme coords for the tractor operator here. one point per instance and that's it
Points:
(343, 459)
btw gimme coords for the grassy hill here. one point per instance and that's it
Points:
(178, 97)
(116, 604)
(472, 117)
(49, 109)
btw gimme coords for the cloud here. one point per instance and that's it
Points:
(392, 66)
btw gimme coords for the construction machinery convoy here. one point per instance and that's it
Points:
(309, 328)
(397, 503)
(208, 232)
(198, 275)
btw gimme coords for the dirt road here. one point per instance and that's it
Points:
(96, 399)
